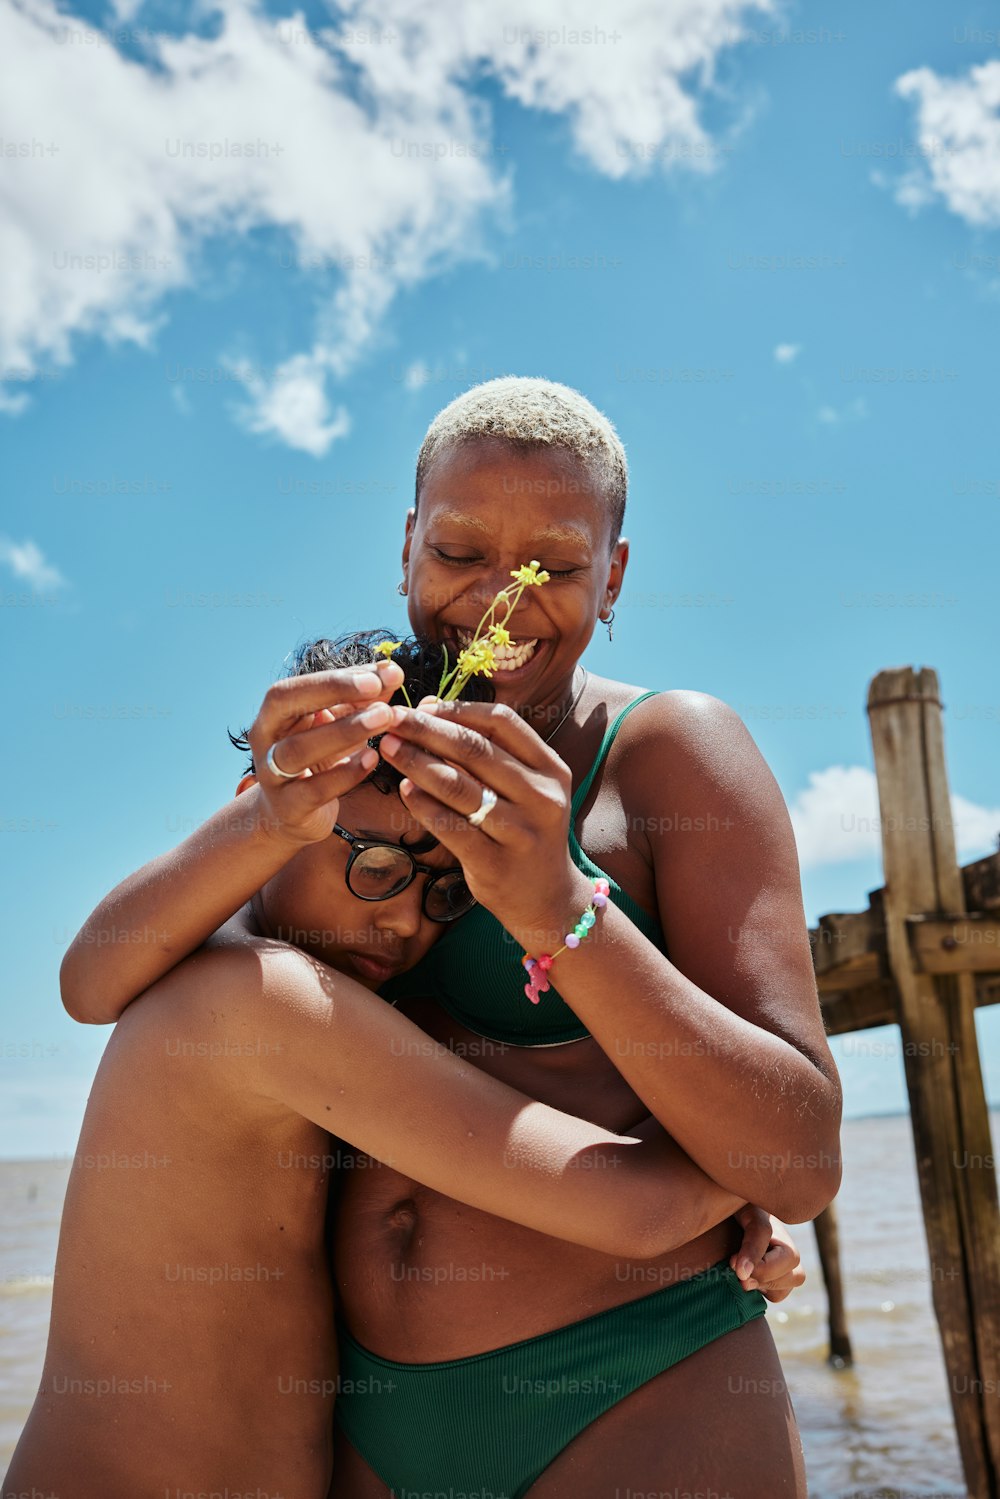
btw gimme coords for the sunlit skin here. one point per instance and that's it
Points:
(486, 509)
(216, 1195)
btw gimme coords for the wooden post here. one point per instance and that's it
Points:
(828, 1244)
(951, 1130)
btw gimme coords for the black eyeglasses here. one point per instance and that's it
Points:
(378, 871)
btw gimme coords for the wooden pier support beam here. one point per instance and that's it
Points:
(950, 1121)
(828, 1244)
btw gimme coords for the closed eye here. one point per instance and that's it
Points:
(554, 572)
(444, 557)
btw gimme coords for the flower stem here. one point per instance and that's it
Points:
(482, 659)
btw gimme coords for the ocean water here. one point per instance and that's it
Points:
(31, 1198)
(881, 1429)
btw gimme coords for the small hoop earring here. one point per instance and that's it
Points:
(608, 622)
(401, 587)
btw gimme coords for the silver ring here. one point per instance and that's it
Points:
(486, 804)
(284, 774)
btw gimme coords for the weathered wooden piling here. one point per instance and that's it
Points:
(923, 955)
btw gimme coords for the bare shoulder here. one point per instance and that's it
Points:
(248, 1007)
(238, 979)
(686, 739)
(682, 713)
(678, 712)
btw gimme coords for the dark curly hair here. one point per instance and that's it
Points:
(422, 661)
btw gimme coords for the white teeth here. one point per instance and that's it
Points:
(506, 657)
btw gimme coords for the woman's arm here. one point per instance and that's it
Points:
(177, 900)
(313, 1040)
(725, 1044)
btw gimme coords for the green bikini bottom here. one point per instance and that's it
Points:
(492, 1422)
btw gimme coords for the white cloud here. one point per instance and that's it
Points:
(376, 159)
(417, 375)
(626, 93)
(179, 397)
(835, 816)
(12, 403)
(26, 561)
(836, 819)
(787, 353)
(958, 128)
(833, 416)
(292, 405)
(977, 829)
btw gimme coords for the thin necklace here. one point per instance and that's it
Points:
(576, 699)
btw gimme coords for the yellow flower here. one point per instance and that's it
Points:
(477, 658)
(387, 647)
(530, 574)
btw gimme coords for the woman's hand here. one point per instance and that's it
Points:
(516, 863)
(319, 725)
(767, 1260)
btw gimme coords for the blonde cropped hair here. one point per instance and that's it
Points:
(527, 412)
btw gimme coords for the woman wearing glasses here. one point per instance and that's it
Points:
(694, 1010)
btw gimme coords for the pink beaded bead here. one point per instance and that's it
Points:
(600, 900)
(571, 939)
(539, 984)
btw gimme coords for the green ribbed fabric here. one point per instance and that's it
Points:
(474, 970)
(494, 1421)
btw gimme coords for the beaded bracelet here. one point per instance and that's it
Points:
(538, 967)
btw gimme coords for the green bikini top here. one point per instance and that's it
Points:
(474, 970)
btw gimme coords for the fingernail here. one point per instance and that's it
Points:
(389, 743)
(428, 704)
(744, 1268)
(368, 683)
(378, 713)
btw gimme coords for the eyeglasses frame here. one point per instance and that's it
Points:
(360, 846)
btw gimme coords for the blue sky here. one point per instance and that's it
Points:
(767, 251)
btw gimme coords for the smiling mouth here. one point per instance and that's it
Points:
(506, 657)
